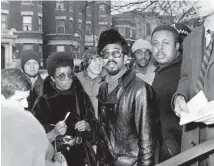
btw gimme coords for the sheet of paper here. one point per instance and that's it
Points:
(194, 105)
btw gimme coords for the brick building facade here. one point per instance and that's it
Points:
(135, 25)
(49, 26)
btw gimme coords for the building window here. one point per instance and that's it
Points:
(80, 26)
(23, 1)
(88, 10)
(59, 5)
(102, 10)
(6, 1)
(103, 28)
(40, 2)
(71, 25)
(131, 33)
(148, 29)
(122, 31)
(27, 47)
(60, 27)
(71, 6)
(4, 21)
(40, 23)
(27, 23)
(88, 29)
(60, 48)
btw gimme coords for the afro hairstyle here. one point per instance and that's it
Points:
(59, 59)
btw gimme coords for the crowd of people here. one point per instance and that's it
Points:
(111, 113)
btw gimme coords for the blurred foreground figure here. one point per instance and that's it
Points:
(197, 73)
(24, 142)
(15, 88)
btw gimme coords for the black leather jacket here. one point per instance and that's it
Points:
(125, 117)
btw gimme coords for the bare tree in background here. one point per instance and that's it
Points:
(178, 11)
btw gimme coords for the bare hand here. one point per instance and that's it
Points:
(61, 127)
(180, 105)
(209, 111)
(82, 126)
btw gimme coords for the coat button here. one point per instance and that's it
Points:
(193, 143)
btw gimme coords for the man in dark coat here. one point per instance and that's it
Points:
(166, 49)
(30, 61)
(125, 108)
(197, 73)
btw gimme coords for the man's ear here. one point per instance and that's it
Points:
(53, 79)
(177, 46)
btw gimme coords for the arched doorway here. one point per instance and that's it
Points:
(2, 57)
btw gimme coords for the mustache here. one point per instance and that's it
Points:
(111, 61)
(160, 52)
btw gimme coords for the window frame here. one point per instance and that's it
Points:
(28, 48)
(60, 5)
(5, 21)
(27, 24)
(123, 34)
(57, 26)
(60, 46)
(40, 28)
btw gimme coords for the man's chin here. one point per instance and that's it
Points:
(32, 75)
(112, 72)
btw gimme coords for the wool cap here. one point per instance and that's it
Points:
(27, 55)
(112, 36)
(141, 44)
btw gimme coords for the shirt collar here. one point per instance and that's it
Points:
(207, 35)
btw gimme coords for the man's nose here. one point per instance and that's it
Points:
(32, 66)
(160, 47)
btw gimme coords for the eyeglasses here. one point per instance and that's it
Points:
(116, 53)
(63, 76)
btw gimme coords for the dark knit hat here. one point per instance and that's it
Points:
(112, 36)
(165, 28)
(27, 55)
(59, 59)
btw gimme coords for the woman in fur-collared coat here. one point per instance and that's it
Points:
(63, 93)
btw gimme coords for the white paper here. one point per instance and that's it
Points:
(196, 104)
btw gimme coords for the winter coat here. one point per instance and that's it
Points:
(126, 117)
(35, 92)
(53, 106)
(165, 84)
(195, 133)
(91, 87)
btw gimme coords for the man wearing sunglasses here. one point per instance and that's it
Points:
(141, 51)
(124, 108)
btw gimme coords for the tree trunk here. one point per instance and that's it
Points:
(82, 43)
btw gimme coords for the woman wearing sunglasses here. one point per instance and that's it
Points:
(64, 93)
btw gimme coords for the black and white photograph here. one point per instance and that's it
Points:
(107, 83)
